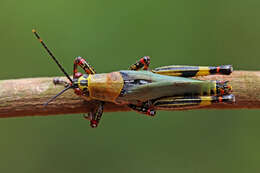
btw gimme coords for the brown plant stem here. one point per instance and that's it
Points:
(25, 97)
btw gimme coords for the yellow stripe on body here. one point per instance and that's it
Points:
(178, 105)
(90, 85)
(203, 71)
(177, 70)
(90, 69)
(215, 88)
(205, 100)
(198, 101)
(169, 70)
(169, 73)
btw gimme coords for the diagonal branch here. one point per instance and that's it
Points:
(25, 97)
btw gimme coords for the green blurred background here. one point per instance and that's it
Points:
(111, 35)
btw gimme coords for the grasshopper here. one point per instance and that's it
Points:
(144, 90)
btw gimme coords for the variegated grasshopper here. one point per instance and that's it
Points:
(143, 90)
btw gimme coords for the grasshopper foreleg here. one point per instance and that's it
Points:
(79, 61)
(95, 116)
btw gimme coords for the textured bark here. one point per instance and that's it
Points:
(25, 97)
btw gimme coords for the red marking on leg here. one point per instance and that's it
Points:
(77, 60)
(150, 112)
(145, 61)
(77, 91)
(75, 70)
(77, 75)
(88, 71)
(145, 67)
(218, 69)
(142, 61)
(82, 61)
(93, 123)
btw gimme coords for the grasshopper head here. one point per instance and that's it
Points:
(79, 84)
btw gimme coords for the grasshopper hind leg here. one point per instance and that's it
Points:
(191, 101)
(192, 71)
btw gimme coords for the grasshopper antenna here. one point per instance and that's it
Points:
(53, 57)
(53, 98)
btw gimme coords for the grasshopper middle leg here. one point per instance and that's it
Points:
(95, 116)
(146, 108)
(143, 63)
